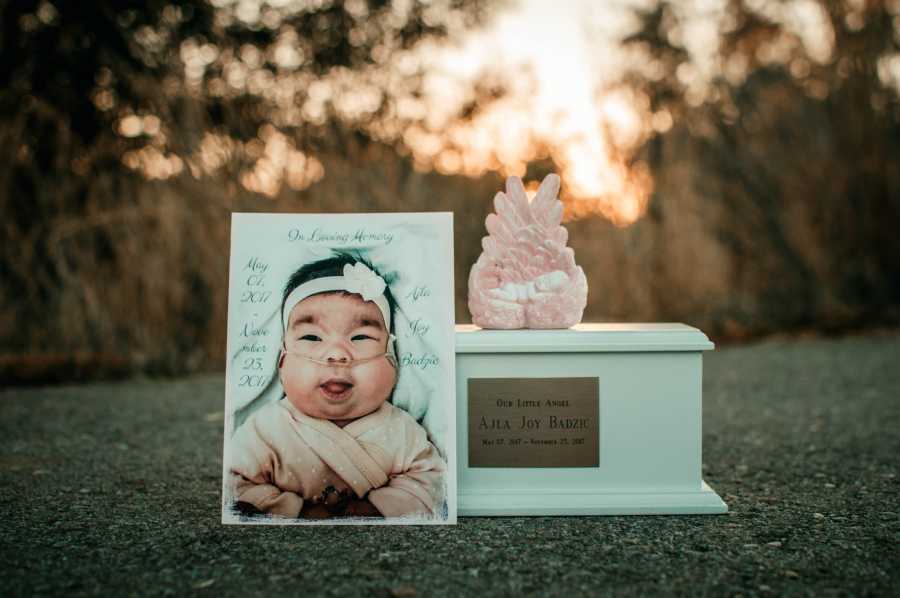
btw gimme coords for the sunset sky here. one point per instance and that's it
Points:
(554, 64)
(558, 63)
(572, 106)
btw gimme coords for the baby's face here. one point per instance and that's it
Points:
(336, 327)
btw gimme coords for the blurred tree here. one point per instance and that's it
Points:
(792, 145)
(103, 100)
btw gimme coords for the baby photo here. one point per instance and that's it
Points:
(340, 385)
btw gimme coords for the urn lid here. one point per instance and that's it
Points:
(584, 338)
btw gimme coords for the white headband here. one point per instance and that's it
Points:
(357, 278)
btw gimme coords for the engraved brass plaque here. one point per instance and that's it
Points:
(534, 422)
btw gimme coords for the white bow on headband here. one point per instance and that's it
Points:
(357, 278)
(360, 279)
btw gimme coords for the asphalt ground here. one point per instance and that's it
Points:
(114, 489)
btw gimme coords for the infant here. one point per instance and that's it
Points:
(334, 445)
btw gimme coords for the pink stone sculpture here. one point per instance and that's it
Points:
(526, 277)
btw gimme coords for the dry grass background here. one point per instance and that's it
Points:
(138, 282)
(775, 206)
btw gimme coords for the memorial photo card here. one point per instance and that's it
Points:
(340, 386)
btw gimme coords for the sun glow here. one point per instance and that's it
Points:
(536, 84)
(555, 107)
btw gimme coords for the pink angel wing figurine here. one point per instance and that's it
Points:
(526, 277)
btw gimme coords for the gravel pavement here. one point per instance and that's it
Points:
(113, 488)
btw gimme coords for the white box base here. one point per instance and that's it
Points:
(650, 432)
(483, 504)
